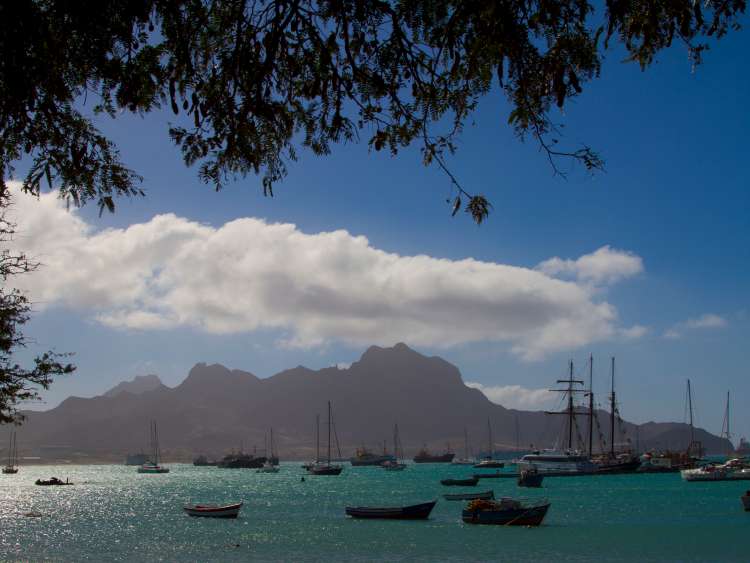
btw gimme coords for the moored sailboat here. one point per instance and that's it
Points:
(466, 460)
(489, 462)
(152, 465)
(395, 464)
(327, 468)
(12, 466)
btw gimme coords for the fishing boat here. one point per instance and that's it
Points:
(395, 465)
(484, 495)
(52, 481)
(425, 456)
(12, 466)
(746, 501)
(152, 465)
(414, 512)
(489, 462)
(326, 468)
(213, 510)
(363, 457)
(466, 460)
(506, 512)
(471, 482)
(530, 478)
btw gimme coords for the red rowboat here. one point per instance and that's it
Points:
(213, 510)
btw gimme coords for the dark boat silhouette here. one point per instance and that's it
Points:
(505, 512)
(424, 456)
(530, 478)
(413, 512)
(484, 495)
(471, 482)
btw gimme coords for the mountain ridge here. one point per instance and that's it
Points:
(215, 409)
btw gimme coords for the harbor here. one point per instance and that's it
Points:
(111, 509)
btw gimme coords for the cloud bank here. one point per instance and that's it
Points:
(707, 321)
(515, 396)
(604, 266)
(249, 274)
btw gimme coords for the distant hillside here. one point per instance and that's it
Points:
(138, 385)
(216, 409)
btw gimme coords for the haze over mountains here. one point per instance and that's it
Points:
(216, 409)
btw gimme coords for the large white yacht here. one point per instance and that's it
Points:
(570, 461)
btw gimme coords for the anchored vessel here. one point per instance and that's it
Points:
(213, 510)
(425, 456)
(152, 466)
(466, 460)
(489, 461)
(413, 512)
(12, 466)
(484, 495)
(327, 468)
(395, 464)
(506, 512)
(569, 461)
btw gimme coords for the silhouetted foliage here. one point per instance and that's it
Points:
(19, 384)
(251, 81)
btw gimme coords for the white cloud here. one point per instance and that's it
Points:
(603, 266)
(314, 288)
(634, 332)
(515, 396)
(708, 321)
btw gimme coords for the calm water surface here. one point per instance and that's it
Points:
(113, 513)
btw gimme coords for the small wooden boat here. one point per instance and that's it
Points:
(506, 512)
(485, 495)
(530, 478)
(213, 510)
(746, 501)
(414, 512)
(52, 481)
(472, 482)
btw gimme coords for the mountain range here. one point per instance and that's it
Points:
(216, 409)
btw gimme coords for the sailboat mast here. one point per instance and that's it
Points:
(10, 448)
(317, 437)
(466, 444)
(690, 408)
(591, 405)
(570, 408)
(489, 437)
(329, 432)
(612, 412)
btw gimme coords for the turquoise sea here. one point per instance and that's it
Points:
(114, 514)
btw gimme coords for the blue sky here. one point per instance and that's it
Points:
(674, 194)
